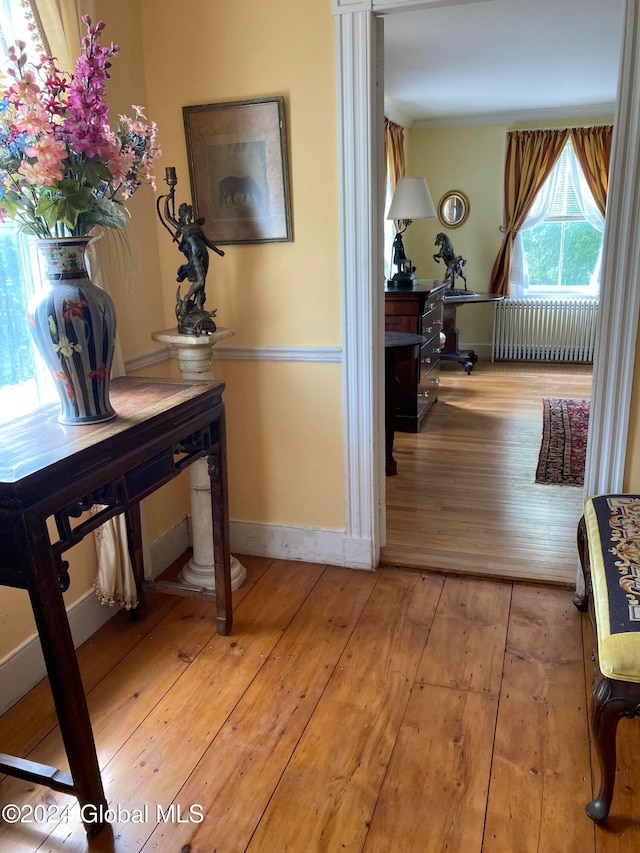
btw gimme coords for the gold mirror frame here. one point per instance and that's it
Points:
(453, 209)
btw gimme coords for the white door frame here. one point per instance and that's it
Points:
(359, 39)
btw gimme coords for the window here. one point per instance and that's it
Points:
(24, 381)
(558, 250)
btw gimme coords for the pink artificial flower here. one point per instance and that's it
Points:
(27, 90)
(49, 152)
(32, 120)
(41, 173)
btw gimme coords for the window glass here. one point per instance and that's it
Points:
(24, 382)
(561, 245)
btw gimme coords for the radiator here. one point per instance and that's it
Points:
(545, 330)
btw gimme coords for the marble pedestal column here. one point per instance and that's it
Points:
(195, 362)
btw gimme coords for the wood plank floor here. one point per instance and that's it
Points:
(465, 497)
(395, 710)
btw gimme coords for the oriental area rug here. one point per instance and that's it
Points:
(565, 424)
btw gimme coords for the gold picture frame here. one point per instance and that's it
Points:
(237, 158)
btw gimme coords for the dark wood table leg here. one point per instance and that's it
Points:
(65, 680)
(217, 466)
(450, 350)
(134, 537)
(391, 387)
(449, 329)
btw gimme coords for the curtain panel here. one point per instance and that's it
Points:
(60, 25)
(593, 150)
(393, 156)
(531, 155)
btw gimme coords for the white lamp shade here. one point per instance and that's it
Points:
(411, 200)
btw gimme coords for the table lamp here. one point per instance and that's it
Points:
(411, 200)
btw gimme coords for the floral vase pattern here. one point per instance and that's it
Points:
(73, 325)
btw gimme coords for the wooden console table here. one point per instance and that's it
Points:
(52, 471)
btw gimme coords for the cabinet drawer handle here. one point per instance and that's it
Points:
(426, 360)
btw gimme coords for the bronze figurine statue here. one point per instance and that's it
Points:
(455, 263)
(194, 244)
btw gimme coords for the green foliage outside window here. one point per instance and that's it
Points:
(573, 245)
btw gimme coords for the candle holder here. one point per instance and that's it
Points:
(187, 232)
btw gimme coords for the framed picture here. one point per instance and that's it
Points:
(238, 169)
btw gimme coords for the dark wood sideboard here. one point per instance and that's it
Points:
(419, 312)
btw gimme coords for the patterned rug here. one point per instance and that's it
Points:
(564, 441)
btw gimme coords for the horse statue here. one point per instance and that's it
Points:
(455, 263)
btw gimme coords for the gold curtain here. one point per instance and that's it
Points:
(593, 150)
(531, 155)
(394, 150)
(61, 31)
(393, 154)
(60, 25)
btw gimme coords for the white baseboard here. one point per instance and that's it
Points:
(481, 350)
(24, 667)
(166, 549)
(310, 544)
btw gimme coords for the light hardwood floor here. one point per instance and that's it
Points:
(395, 710)
(465, 497)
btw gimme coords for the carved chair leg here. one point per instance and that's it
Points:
(581, 598)
(608, 709)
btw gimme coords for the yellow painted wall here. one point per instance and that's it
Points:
(470, 159)
(285, 453)
(16, 618)
(276, 293)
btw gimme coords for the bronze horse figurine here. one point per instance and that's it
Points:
(455, 263)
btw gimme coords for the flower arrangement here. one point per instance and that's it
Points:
(63, 170)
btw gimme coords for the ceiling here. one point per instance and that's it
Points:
(494, 61)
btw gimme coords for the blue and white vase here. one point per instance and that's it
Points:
(73, 324)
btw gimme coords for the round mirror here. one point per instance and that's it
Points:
(453, 209)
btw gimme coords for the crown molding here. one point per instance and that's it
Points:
(397, 114)
(348, 7)
(516, 116)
